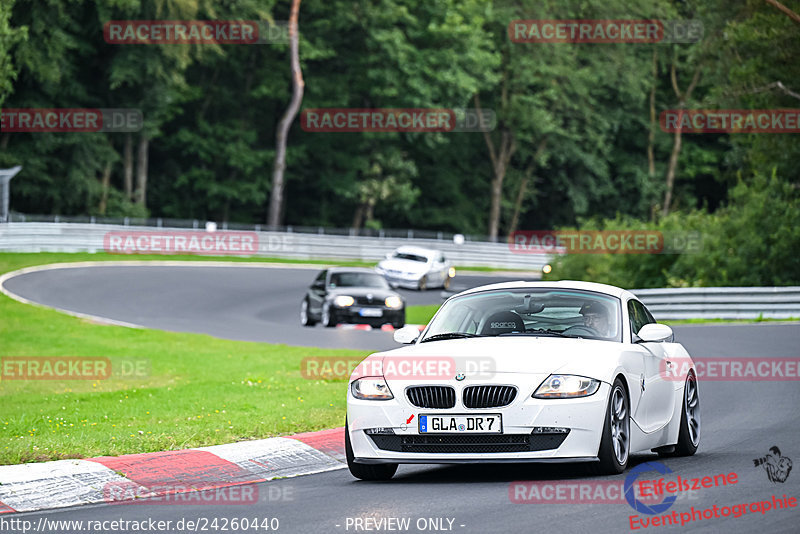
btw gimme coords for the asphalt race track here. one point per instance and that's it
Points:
(741, 419)
(242, 303)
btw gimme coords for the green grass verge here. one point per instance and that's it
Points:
(420, 314)
(199, 391)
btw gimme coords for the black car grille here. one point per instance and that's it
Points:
(431, 396)
(488, 396)
(469, 443)
(374, 301)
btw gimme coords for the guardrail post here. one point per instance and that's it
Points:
(92, 220)
(55, 219)
(258, 228)
(126, 221)
(194, 224)
(158, 222)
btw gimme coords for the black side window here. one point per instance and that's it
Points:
(639, 316)
(320, 279)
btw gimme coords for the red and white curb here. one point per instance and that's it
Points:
(29, 487)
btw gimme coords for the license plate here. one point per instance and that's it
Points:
(370, 312)
(461, 424)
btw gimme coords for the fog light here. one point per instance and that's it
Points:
(550, 430)
(378, 430)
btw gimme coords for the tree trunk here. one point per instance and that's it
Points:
(676, 144)
(358, 217)
(500, 160)
(651, 138)
(141, 171)
(523, 187)
(127, 169)
(4, 141)
(276, 200)
(106, 182)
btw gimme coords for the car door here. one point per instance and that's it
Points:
(316, 293)
(440, 267)
(658, 393)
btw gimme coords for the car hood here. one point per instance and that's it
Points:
(514, 355)
(406, 266)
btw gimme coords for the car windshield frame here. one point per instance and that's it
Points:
(542, 331)
(382, 283)
(410, 256)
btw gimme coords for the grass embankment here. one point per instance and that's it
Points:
(198, 390)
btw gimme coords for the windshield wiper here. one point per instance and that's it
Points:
(449, 335)
(540, 332)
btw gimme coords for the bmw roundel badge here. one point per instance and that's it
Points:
(460, 376)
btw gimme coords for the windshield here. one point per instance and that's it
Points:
(408, 256)
(357, 280)
(520, 312)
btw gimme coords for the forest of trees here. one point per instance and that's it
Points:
(577, 136)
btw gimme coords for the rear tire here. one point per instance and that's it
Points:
(365, 471)
(689, 433)
(615, 443)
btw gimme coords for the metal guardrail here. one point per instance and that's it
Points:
(82, 237)
(668, 303)
(722, 302)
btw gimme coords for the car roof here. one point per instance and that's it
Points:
(417, 250)
(560, 284)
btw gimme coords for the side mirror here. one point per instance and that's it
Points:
(388, 255)
(406, 335)
(318, 285)
(394, 285)
(656, 332)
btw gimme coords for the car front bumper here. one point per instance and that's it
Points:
(525, 431)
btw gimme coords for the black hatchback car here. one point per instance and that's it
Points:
(352, 295)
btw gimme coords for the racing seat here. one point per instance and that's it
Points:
(503, 322)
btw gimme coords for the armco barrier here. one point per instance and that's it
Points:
(669, 303)
(722, 302)
(83, 237)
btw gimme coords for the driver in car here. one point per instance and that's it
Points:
(595, 317)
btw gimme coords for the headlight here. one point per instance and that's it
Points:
(566, 387)
(393, 302)
(371, 389)
(343, 301)
(451, 272)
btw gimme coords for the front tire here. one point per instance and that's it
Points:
(422, 285)
(446, 284)
(689, 433)
(365, 471)
(615, 443)
(328, 317)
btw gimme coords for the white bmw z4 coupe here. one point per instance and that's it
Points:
(525, 372)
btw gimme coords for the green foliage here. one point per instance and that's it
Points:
(753, 241)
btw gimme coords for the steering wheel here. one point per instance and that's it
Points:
(580, 329)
